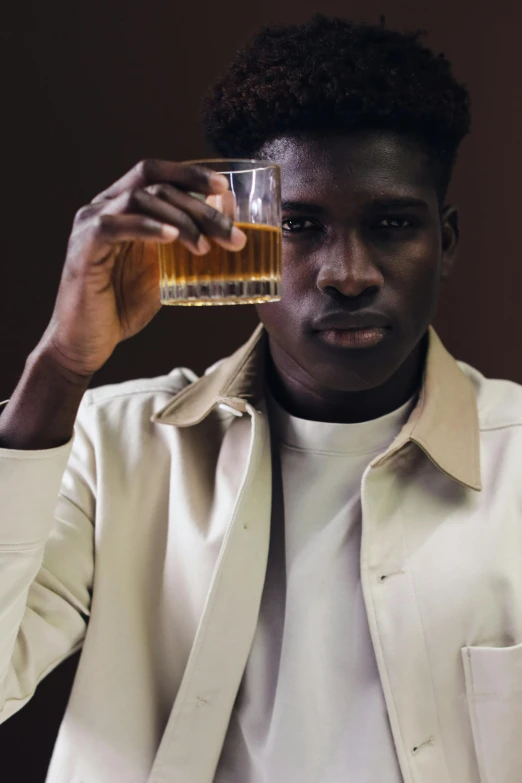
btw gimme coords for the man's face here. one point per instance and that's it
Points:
(346, 253)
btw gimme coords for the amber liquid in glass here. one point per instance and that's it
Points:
(251, 275)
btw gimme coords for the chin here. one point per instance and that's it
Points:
(350, 370)
(348, 380)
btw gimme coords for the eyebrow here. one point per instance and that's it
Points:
(381, 203)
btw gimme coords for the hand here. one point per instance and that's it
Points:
(109, 289)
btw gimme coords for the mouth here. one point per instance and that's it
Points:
(366, 337)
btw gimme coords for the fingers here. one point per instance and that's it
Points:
(139, 201)
(166, 192)
(224, 202)
(118, 228)
(193, 218)
(207, 220)
(182, 175)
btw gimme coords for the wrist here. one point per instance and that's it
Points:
(44, 360)
(43, 408)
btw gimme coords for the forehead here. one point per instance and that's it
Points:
(360, 161)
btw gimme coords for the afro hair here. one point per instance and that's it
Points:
(331, 74)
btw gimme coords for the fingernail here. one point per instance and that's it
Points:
(238, 237)
(169, 232)
(203, 245)
(219, 181)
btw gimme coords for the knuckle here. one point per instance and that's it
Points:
(199, 174)
(160, 189)
(72, 271)
(130, 200)
(104, 224)
(189, 228)
(217, 219)
(145, 168)
(82, 213)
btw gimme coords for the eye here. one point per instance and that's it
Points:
(295, 225)
(391, 224)
(393, 221)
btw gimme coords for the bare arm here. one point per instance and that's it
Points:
(109, 289)
(43, 408)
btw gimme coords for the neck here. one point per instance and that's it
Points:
(303, 398)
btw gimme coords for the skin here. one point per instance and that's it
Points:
(348, 256)
(109, 289)
(344, 254)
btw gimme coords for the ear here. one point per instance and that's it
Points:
(450, 228)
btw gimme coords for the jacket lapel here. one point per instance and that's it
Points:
(196, 729)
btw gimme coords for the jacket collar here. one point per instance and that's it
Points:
(444, 422)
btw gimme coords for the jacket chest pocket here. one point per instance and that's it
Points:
(494, 694)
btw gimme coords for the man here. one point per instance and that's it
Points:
(305, 565)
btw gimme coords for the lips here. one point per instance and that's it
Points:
(353, 338)
(342, 321)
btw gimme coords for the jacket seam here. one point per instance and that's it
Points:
(29, 546)
(34, 454)
(478, 739)
(91, 401)
(426, 646)
(388, 684)
(500, 426)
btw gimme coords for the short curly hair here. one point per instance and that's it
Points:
(332, 74)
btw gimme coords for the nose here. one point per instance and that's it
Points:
(348, 267)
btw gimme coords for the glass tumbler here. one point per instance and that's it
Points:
(220, 277)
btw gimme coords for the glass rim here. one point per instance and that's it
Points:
(260, 164)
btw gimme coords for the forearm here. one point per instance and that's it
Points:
(43, 408)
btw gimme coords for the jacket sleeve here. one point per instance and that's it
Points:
(47, 506)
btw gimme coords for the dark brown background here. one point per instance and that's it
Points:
(91, 88)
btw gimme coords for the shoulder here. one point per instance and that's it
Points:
(142, 387)
(135, 400)
(499, 401)
(138, 398)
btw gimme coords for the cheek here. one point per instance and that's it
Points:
(297, 272)
(283, 319)
(419, 287)
(279, 318)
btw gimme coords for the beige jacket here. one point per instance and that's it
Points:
(145, 541)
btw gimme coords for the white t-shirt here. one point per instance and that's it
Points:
(310, 708)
